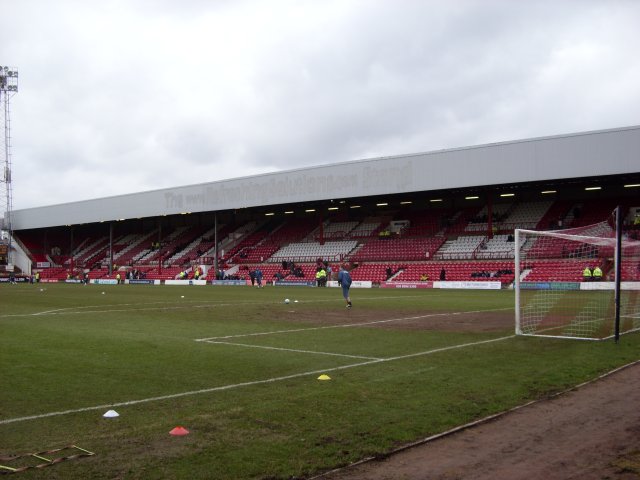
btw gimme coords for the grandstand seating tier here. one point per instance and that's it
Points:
(424, 246)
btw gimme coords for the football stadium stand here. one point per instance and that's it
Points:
(416, 246)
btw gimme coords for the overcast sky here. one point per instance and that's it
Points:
(122, 96)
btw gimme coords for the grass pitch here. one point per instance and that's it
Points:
(238, 368)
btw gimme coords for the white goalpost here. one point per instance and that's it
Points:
(581, 283)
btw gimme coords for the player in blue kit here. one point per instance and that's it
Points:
(344, 280)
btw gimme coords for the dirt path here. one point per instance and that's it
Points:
(582, 435)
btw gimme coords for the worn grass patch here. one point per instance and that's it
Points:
(628, 463)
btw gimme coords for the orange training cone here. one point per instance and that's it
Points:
(179, 431)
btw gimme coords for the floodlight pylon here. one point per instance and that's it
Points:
(8, 88)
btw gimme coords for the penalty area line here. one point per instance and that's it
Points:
(348, 325)
(294, 350)
(246, 384)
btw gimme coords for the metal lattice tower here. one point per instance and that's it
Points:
(8, 88)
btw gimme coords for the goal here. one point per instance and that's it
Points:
(581, 283)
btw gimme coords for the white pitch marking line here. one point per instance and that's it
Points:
(293, 350)
(81, 311)
(183, 394)
(204, 305)
(115, 310)
(78, 307)
(47, 312)
(246, 384)
(373, 322)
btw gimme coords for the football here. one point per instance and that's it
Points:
(286, 300)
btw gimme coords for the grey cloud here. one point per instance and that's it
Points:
(142, 95)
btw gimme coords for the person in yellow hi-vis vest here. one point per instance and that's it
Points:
(586, 274)
(597, 274)
(321, 277)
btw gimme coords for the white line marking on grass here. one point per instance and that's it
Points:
(348, 325)
(183, 394)
(246, 384)
(183, 305)
(293, 350)
(114, 310)
(444, 349)
(80, 307)
(47, 311)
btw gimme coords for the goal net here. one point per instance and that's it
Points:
(566, 281)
